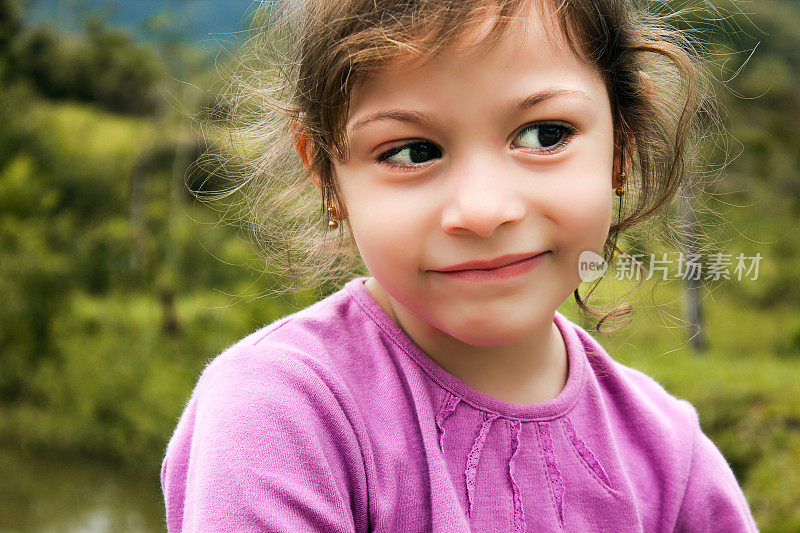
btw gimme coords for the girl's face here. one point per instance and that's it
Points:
(469, 158)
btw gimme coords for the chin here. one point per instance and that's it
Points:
(487, 335)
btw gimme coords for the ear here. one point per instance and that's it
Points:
(305, 149)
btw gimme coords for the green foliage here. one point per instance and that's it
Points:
(89, 364)
(102, 65)
(10, 22)
(118, 382)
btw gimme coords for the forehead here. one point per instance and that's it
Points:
(533, 20)
(476, 34)
(531, 53)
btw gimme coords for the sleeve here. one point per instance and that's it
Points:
(265, 446)
(713, 500)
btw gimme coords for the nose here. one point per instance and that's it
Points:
(483, 196)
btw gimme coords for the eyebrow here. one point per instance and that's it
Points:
(421, 119)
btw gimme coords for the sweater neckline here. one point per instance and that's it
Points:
(553, 408)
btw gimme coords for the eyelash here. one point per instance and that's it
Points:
(568, 133)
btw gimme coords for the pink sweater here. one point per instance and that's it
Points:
(332, 419)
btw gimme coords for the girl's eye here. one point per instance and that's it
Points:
(545, 137)
(410, 154)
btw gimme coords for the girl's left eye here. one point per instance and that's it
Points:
(548, 137)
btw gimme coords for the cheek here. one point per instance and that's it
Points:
(585, 215)
(387, 225)
(588, 195)
(585, 228)
(588, 214)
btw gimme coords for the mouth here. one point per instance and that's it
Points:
(491, 264)
(497, 269)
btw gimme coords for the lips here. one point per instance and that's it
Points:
(490, 264)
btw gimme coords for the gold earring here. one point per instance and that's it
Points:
(332, 224)
(620, 183)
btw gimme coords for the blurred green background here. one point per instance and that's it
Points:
(117, 285)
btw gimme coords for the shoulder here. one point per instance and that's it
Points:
(282, 377)
(254, 394)
(654, 429)
(663, 424)
(300, 348)
(251, 377)
(658, 429)
(633, 393)
(268, 419)
(289, 363)
(652, 398)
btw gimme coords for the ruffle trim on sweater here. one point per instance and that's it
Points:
(446, 410)
(585, 453)
(519, 511)
(475, 455)
(545, 442)
(553, 473)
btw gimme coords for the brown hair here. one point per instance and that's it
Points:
(300, 67)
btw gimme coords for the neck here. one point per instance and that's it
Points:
(530, 370)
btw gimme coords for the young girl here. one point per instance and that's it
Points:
(471, 150)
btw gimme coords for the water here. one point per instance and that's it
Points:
(40, 495)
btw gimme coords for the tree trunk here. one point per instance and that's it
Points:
(691, 302)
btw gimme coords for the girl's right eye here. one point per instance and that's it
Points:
(410, 155)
